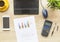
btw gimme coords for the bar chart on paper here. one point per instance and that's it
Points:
(25, 29)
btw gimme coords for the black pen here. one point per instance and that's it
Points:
(53, 30)
(57, 28)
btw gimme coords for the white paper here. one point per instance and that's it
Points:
(25, 33)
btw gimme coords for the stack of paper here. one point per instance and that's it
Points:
(25, 29)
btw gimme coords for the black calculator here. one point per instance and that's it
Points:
(46, 28)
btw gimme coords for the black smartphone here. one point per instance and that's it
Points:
(6, 25)
(46, 28)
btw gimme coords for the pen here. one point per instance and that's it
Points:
(53, 30)
(57, 28)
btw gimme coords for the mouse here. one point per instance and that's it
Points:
(45, 13)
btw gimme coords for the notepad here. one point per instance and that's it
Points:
(25, 29)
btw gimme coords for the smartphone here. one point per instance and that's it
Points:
(46, 28)
(6, 23)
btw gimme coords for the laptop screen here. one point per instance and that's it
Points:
(26, 6)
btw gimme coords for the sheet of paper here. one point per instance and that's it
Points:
(25, 29)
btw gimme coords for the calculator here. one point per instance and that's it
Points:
(46, 28)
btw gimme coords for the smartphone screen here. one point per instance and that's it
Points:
(46, 28)
(5, 22)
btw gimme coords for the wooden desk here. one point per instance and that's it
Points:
(10, 36)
